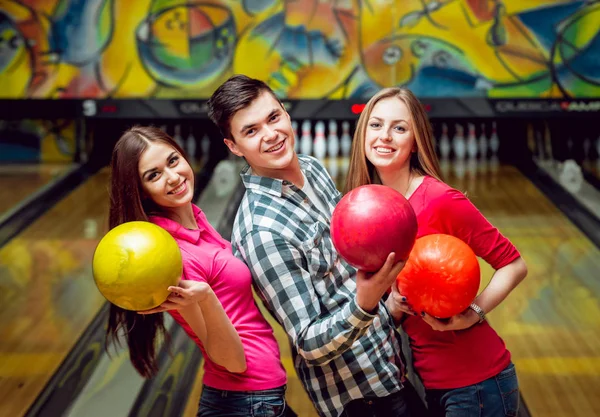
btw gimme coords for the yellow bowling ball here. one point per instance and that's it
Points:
(135, 263)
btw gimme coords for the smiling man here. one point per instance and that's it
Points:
(346, 350)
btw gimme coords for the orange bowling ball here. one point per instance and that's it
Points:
(135, 263)
(441, 276)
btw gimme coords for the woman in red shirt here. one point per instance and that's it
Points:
(463, 363)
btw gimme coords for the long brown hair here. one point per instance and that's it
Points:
(423, 162)
(128, 203)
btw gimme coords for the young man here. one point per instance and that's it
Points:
(346, 350)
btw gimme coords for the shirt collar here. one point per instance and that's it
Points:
(273, 186)
(177, 230)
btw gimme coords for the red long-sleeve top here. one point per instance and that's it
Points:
(453, 359)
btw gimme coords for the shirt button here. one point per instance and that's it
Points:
(370, 402)
(306, 201)
(316, 241)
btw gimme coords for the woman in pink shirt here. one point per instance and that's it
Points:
(463, 363)
(153, 181)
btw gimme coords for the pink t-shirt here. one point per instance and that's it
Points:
(455, 359)
(208, 257)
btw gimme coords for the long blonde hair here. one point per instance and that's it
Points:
(423, 162)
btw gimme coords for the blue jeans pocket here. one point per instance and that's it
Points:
(212, 404)
(268, 406)
(508, 385)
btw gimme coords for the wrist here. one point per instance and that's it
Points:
(365, 306)
(206, 296)
(396, 313)
(477, 313)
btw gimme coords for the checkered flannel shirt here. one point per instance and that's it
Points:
(340, 352)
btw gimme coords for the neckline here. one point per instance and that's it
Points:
(425, 177)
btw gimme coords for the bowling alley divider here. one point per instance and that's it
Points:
(22, 215)
(152, 109)
(90, 382)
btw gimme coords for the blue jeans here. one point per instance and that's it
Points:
(394, 405)
(266, 403)
(495, 397)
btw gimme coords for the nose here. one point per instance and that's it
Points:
(385, 136)
(172, 176)
(269, 133)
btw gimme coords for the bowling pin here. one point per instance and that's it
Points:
(472, 142)
(346, 142)
(177, 136)
(320, 145)
(333, 141)
(540, 147)
(483, 143)
(587, 144)
(459, 145)
(296, 138)
(190, 145)
(444, 142)
(306, 140)
(570, 148)
(494, 140)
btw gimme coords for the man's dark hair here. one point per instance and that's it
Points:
(232, 96)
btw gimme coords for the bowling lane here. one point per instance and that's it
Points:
(46, 292)
(551, 322)
(22, 181)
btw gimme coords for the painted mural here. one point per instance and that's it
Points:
(303, 49)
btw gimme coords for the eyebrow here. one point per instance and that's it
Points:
(156, 169)
(248, 126)
(393, 121)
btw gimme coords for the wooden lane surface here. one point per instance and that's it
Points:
(47, 294)
(551, 321)
(20, 181)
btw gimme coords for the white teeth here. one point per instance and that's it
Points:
(275, 148)
(384, 150)
(178, 189)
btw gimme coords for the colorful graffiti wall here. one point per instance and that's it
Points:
(304, 49)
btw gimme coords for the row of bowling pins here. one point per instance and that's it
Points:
(190, 143)
(580, 149)
(321, 145)
(471, 146)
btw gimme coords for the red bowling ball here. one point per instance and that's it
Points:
(371, 221)
(441, 276)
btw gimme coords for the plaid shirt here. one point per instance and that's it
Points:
(340, 352)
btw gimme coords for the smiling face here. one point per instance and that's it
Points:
(262, 133)
(389, 135)
(166, 176)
